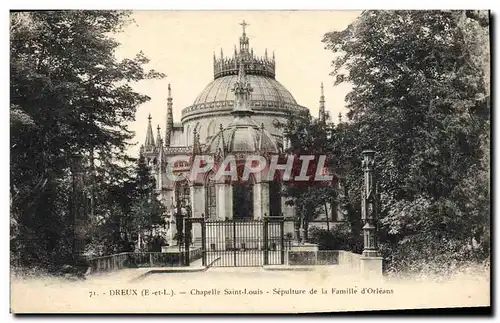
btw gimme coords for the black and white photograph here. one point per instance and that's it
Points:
(259, 161)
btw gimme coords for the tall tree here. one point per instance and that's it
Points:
(69, 96)
(308, 136)
(420, 99)
(146, 213)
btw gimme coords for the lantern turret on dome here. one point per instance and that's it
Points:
(269, 96)
(242, 135)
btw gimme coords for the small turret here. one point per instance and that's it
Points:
(170, 118)
(253, 65)
(196, 142)
(149, 144)
(242, 91)
(322, 115)
(158, 136)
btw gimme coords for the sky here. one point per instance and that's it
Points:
(181, 45)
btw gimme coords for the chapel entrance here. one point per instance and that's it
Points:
(240, 243)
(242, 201)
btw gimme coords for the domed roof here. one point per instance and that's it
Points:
(264, 89)
(242, 136)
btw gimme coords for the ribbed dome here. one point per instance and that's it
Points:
(264, 89)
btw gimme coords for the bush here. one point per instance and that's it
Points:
(338, 238)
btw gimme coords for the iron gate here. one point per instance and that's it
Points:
(241, 243)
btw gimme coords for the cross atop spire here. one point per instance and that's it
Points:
(244, 24)
(244, 47)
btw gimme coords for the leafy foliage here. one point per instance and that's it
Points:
(420, 98)
(70, 97)
(308, 136)
(134, 213)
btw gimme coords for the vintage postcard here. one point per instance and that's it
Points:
(249, 161)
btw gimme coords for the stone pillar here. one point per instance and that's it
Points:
(197, 197)
(171, 227)
(229, 201)
(224, 194)
(221, 201)
(264, 196)
(224, 209)
(260, 200)
(257, 200)
(371, 262)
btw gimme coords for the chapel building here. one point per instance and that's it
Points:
(241, 111)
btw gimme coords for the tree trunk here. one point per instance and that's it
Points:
(327, 218)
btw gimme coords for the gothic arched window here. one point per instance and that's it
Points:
(211, 197)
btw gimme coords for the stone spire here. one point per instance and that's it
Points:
(158, 136)
(322, 105)
(221, 129)
(170, 118)
(196, 142)
(159, 164)
(242, 91)
(260, 145)
(150, 141)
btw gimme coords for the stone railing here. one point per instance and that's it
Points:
(141, 260)
(349, 260)
(178, 150)
(108, 263)
(257, 105)
(313, 258)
